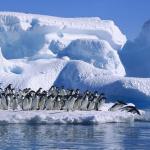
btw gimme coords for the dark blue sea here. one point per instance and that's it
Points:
(107, 136)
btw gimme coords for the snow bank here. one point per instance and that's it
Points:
(62, 117)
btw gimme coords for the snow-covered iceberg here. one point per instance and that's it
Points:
(136, 54)
(85, 53)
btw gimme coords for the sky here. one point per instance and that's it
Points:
(129, 15)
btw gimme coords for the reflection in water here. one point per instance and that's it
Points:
(104, 136)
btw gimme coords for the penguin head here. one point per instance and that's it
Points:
(102, 94)
(87, 92)
(52, 95)
(13, 91)
(77, 91)
(58, 98)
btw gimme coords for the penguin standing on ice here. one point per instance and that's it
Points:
(100, 102)
(53, 91)
(15, 103)
(42, 101)
(78, 102)
(85, 102)
(62, 91)
(9, 100)
(27, 101)
(58, 103)
(4, 102)
(92, 104)
(71, 102)
(35, 102)
(49, 104)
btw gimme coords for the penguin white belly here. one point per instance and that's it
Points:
(15, 104)
(65, 107)
(91, 106)
(4, 103)
(100, 105)
(84, 105)
(25, 104)
(10, 104)
(71, 104)
(1, 107)
(35, 104)
(42, 104)
(49, 104)
(77, 104)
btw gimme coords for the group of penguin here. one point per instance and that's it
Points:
(56, 99)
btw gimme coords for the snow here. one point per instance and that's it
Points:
(135, 54)
(85, 53)
(64, 117)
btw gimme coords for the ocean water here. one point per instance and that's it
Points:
(109, 136)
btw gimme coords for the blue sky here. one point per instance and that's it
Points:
(129, 15)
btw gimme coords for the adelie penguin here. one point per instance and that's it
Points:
(62, 92)
(78, 102)
(42, 102)
(49, 104)
(27, 102)
(71, 102)
(85, 102)
(100, 102)
(35, 102)
(4, 102)
(131, 109)
(92, 104)
(58, 103)
(119, 104)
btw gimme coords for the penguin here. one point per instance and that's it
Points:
(85, 103)
(1, 100)
(58, 103)
(100, 102)
(66, 102)
(131, 109)
(117, 105)
(71, 102)
(62, 91)
(25, 91)
(49, 104)
(50, 90)
(9, 87)
(4, 102)
(35, 102)
(53, 91)
(15, 103)
(39, 91)
(42, 101)
(20, 102)
(92, 104)
(26, 103)
(77, 92)
(9, 99)
(78, 102)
